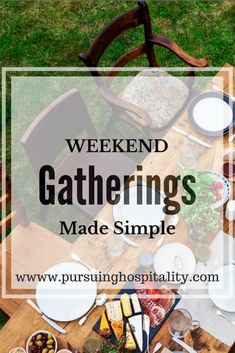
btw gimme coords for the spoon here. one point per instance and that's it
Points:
(100, 300)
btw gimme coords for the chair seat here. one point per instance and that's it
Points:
(161, 95)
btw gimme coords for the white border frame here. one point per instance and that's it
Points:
(5, 70)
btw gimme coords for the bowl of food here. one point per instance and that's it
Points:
(211, 188)
(18, 350)
(41, 342)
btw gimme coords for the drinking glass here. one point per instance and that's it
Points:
(181, 322)
(146, 259)
(187, 154)
(115, 245)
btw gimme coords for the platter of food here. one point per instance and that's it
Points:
(125, 316)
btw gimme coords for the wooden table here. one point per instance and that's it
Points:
(25, 320)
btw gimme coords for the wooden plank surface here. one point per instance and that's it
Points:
(29, 244)
(25, 320)
(21, 325)
(201, 340)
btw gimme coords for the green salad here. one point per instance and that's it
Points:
(201, 215)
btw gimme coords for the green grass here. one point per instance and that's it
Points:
(53, 33)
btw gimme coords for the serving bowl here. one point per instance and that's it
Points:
(46, 336)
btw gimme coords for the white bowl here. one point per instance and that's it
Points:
(37, 333)
(22, 350)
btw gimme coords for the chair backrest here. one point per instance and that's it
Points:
(66, 117)
(17, 214)
(131, 19)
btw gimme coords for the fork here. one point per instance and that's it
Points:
(78, 259)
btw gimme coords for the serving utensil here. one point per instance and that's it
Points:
(78, 259)
(191, 137)
(184, 345)
(146, 328)
(100, 300)
(220, 313)
(124, 238)
(45, 318)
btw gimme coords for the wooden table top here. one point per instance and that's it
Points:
(25, 321)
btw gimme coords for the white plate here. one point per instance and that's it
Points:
(212, 114)
(138, 214)
(165, 259)
(66, 302)
(222, 293)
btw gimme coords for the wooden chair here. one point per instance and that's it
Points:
(68, 117)
(139, 16)
(17, 214)
(9, 306)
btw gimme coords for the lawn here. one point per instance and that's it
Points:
(52, 33)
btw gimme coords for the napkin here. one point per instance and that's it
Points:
(203, 309)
